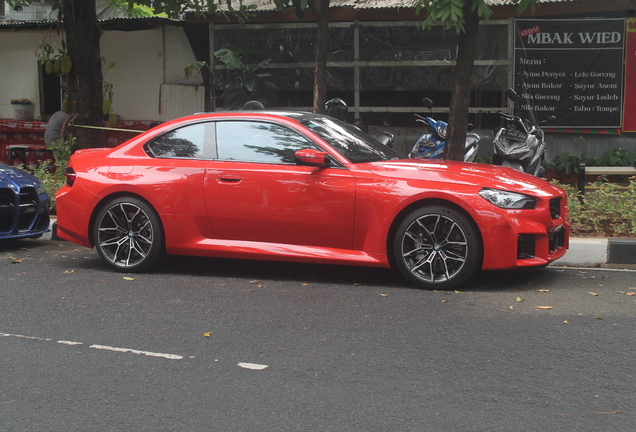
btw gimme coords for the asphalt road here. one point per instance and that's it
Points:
(228, 345)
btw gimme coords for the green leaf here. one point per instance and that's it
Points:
(229, 58)
(523, 4)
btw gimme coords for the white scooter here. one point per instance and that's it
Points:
(520, 145)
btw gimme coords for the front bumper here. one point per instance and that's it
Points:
(526, 238)
(23, 213)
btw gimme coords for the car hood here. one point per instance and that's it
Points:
(13, 177)
(476, 174)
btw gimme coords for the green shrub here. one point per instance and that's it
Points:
(608, 210)
(53, 180)
(49, 180)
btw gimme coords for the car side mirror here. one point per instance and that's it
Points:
(311, 157)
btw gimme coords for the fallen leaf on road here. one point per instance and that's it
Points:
(444, 301)
(611, 412)
(16, 262)
(208, 334)
(565, 322)
(457, 292)
(601, 318)
(384, 295)
(256, 282)
(128, 278)
(511, 307)
(630, 294)
(544, 307)
(519, 299)
(69, 271)
(593, 293)
(543, 290)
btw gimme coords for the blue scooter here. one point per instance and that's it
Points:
(431, 145)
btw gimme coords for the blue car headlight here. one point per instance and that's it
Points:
(508, 200)
(39, 188)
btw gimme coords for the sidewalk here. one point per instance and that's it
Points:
(583, 252)
(600, 252)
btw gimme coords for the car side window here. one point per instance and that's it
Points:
(264, 142)
(189, 142)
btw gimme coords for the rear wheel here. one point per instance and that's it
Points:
(437, 247)
(128, 235)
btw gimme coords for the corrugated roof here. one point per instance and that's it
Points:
(262, 5)
(268, 5)
(128, 23)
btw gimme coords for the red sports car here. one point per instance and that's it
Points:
(294, 186)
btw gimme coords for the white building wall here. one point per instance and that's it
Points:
(138, 73)
(19, 69)
(144, 60)
(177, 55)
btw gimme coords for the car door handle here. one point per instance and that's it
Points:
(228, 178)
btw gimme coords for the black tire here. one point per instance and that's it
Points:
(128, 235)
(437, 247)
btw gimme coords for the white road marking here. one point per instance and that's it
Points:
(252, 366)
(146, 353)
(100, 347)
(63, 342)
(26, 337)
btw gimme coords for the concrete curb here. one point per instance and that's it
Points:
(51, 234)
(598, 252)
(583, 252)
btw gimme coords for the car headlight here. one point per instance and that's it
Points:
(39, 188)
(507, 199)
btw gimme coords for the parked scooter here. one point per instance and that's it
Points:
(520, 145)
(431, 145)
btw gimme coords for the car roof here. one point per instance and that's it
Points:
(294, 115)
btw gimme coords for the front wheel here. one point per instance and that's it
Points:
(128, 235)
(437, 247)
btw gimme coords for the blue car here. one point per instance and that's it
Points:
(24, 205)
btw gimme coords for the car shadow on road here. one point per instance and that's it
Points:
(335, 274)
(277, 270)
(281, 271)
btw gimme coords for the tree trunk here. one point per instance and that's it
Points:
(85, 94)
(322, 45)
(460, 98)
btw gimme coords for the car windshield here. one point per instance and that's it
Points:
(348, 140)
